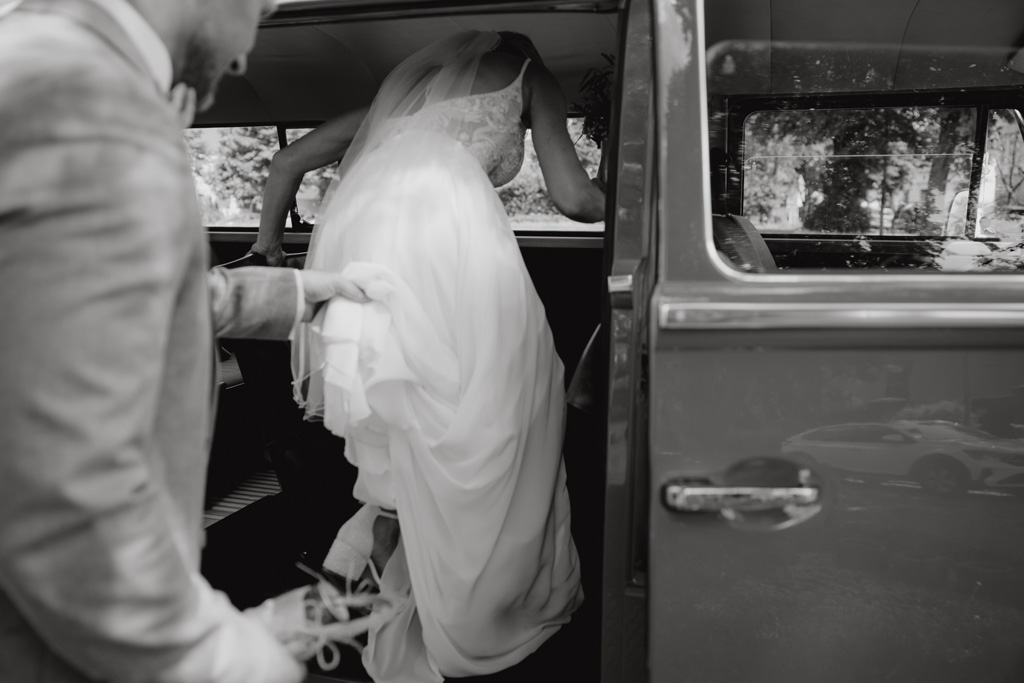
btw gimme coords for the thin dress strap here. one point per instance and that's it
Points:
(522, 71)
(519, 87)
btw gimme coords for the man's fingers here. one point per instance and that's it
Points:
(352, 291)
(320, 286)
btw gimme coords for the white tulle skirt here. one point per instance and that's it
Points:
(449, 393)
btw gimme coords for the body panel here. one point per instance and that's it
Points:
(902, 572)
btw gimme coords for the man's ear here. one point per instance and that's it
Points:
(238, 66)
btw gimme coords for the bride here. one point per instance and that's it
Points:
(445, 385)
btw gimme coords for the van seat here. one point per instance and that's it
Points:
(741, 244)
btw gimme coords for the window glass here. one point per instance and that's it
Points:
(1001, 201)
(891, 171)
(898, 188)
(314, 184)
(526, 198)
(879, 434)
(230, 167)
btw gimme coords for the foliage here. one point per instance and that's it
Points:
(231, 165)
(244, 164)
(892, 171)
(1006, 149)
(859, 166)
(527, 194)
(595, 104)
(999, 212)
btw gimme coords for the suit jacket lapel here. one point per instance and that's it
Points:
(97, 20)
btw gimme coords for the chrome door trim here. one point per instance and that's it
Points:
(699, 315)
(704, 498)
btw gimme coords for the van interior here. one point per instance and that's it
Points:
(870, 135)
(279, 487)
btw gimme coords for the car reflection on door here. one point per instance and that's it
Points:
(938, 456)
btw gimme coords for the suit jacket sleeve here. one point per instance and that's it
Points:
(255, 302)
(93, 217)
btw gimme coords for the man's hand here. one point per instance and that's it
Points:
(319, 286)
(183, 99)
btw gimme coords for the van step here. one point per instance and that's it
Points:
(254, 487)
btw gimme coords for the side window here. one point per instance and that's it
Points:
(928, 188)
(1001, 199)
(314, 184)
(230, 167)
(880, 434)
(526, 197)
(887, 171)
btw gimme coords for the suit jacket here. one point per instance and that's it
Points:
(106, 370)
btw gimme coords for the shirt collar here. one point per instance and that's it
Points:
(148, 43)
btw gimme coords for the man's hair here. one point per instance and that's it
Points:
(513, 43)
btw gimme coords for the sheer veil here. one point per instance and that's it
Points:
(441, 71)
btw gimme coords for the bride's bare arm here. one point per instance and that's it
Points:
(324, 145)
(569, 186)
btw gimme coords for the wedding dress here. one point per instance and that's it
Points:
(446, 386)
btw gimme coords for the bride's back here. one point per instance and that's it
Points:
(488, 121)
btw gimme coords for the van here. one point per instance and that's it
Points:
(801, 455)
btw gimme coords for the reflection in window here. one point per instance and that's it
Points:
(1001, 201)
(998, 238)
(886, 171)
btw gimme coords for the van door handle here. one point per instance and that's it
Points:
(685, 497)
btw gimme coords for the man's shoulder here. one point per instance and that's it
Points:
(56, 68)
(74, 112)
(28, 39)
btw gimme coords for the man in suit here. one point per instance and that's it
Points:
(106, 359)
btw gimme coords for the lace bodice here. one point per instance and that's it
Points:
(489, 125)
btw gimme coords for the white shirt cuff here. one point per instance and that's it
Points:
(300, 305)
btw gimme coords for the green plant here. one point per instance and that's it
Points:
(595, 103)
